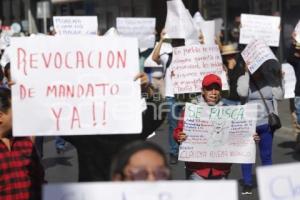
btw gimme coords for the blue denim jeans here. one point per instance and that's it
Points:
(173, 115)
(297, 108)
(265, 150)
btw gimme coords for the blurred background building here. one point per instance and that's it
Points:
(30, 13)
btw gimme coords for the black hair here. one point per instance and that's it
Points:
(5, 99)
(121, 160)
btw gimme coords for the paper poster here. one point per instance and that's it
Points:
(256, 53)
(141, 28)
(289, 80)
(75, 25)
(191, 63)
(262, 27)
(75, 85)
(166, 190)
(198, 19)
(279, 182)
(184, 26)
(219, 134)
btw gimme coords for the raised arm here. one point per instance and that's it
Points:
(156, 51)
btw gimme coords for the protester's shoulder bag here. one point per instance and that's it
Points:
(273, 119)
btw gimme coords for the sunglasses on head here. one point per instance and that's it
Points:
(139, 174)
(213, 86)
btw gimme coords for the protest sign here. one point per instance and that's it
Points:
(221, 134)
(289, 80)
(166, 190)
(75, 25)
(191, 63)
(141, 28)
(256, 53)
(179, 22)
(279, 182)
(75, 85)
(198, 19)
(262, 27)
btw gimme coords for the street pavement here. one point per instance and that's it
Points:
(63, 167)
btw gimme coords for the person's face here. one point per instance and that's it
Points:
(5, 122)
(212, 94)
(146, 165)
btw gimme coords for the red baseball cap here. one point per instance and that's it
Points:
(211, 79)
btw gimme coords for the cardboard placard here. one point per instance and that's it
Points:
(191, 63)
(262, 27)
(75, 25)
(166, 190)
(220, 134)
(75, 85)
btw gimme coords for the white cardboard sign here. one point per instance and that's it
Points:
(141, 28)
(191, 63)
(256, 53)
(166, 190)
(75, 85)
(75, 25)
(289, 80)
(220, 134)
(279, 182)
(179, 22)
(262, 27)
